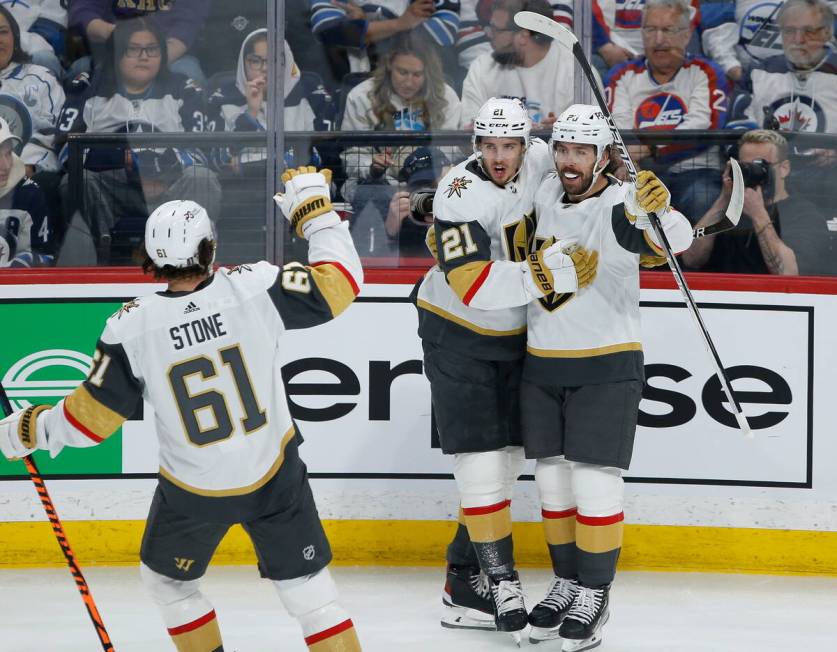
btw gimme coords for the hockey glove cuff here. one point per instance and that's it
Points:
(306, 202)
(21, 433)
(430, 241)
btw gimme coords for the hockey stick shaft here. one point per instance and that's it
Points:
(674, 265)
(64, 544)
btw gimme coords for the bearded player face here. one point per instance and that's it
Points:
(575, 164)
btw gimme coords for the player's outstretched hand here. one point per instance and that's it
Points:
(306, 202)
(18, 432)
(647, 195)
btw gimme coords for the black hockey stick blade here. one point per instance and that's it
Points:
(736, 205)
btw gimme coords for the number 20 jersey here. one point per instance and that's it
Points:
(477, 222)
(208, 361)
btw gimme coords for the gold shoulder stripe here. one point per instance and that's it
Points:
(240, 491)
(444, 314)
(336, 285)
(463, 278)
(652, 244)
(91, 417)
(584, 353)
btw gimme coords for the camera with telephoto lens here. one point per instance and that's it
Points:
(421, 205)
(755, 173)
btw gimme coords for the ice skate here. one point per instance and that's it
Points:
(582, 626)
(548, 614)
(467, 601)
(510, 611)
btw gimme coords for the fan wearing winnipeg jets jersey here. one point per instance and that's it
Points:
(743, 34)
(583, 372)
(797, 91)
(472, 324)
(205, 354)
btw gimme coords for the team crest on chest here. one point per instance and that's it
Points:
(457, 186)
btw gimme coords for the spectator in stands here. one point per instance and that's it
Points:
(421, 172)
(241, 103)
(355, 26)
(523, 64)
(473, 40)
(43, 27)
(407, 93)
(779, 233)
(668, 89)
(30, 98)
(743, 33)
(134, 92)
(617, 33)
(27, 236)
(797, 91)
(180, 21)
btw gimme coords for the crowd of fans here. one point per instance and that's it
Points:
(173, 66)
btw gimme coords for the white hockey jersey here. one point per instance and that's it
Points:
(800, 101)
(478, 223)
(208, 361)
(745, 36)
(695, 98)
(593, 335)
(546, 87)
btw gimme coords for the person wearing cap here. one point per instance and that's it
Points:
(421, 172)
(27, 235)
(205, 353)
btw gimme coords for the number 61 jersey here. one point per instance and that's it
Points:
(208, 361)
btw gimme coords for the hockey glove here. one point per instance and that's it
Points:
(306, 202)
(550, 270)
(586, 264)
(430, 241)
(21, 433)
(647, 195)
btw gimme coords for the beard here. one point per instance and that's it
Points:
(509, 58)
(580, 184)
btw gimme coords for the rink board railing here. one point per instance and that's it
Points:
(699, 495)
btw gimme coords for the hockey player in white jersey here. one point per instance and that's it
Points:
(583, 372)
(205, 354)
(473, 334)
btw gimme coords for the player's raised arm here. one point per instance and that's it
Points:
(308, 295)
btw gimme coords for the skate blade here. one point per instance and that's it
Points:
(516, 637)
(454, 617)
(541, 634)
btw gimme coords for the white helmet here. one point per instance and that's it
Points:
(174, 231)
(502, 117)
(584, 124)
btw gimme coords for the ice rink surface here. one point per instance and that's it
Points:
(397, 609)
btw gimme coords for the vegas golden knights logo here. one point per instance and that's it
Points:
(519, 237)
(183, 564)
(554, 300)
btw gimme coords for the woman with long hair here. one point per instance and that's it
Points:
(407, 92)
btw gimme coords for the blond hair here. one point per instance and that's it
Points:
(759, 136)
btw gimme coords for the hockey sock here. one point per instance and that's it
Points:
(490, 529)
(461, 551)
(341, 637)
(200, 635)
(559, 530)
(599, 492)
(599, 542)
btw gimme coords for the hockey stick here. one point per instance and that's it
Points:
(543, 25)
(58, 529)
